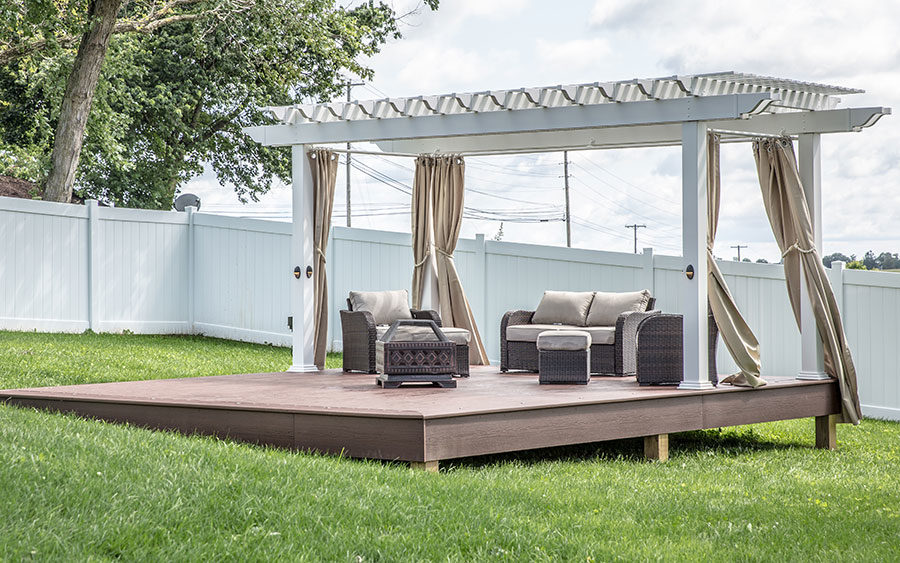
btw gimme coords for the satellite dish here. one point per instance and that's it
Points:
(184, 201)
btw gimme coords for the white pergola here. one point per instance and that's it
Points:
(674, 110)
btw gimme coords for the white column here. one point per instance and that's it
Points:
(809, 161)
(302, 289)
(693, 221)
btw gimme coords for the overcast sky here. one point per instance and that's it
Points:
(474, 45)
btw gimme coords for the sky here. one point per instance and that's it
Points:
(476, 45)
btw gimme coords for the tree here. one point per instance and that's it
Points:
(837, 256)
(869, 261)
(178, 85)
(856, 265)
(762, 261)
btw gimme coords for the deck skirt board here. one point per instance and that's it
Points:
(490, 412)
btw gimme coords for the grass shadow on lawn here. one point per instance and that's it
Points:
(731, 442)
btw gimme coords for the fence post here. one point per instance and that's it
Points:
(192, 255)
(836, 277)
(330, 267)
(649, 274)
(93, 210)
(481, 262)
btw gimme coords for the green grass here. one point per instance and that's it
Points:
(79, 489)
(30, 359)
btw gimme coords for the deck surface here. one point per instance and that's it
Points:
(490, 412)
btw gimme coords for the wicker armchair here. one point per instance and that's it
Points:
(660, 356)
(607, 359)
(359, 334)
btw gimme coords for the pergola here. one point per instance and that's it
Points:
(675, 110)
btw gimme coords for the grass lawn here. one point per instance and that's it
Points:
(80, 489)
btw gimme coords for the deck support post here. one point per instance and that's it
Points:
(809, 162)
(826, 432)
(694, 228)
(302, 287)
(656, 447)
(429, 466)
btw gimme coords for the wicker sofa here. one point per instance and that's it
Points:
(613, 342)
(368, 317)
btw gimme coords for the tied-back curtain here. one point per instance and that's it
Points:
(323, 166)
(788, 213)
(421, 227)
(733, 329)
(447, 178)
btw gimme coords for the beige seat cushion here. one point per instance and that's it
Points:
(564, 340)
(530, 332)
(607, 307)
(385, 306)
(460, 336)
(563, 307)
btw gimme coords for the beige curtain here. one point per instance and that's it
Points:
(733, 329)
(421, 229)
(788, 213)
(446, 176)
(323, 165)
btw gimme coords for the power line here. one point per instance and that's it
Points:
(739, 247)
(568, 208)
(348, 158)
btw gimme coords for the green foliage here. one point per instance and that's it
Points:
(837, 257)
(762, 261)
(856, 265)
(80, 489)
(171, 100)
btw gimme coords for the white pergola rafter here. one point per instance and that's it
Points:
(674, 110)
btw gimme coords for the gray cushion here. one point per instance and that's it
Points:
(563, 307)
(530, 332)
(460, 336)
(607, 307)
(564, 340)
(385, 306)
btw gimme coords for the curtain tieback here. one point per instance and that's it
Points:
(445, 253)
(422, 263)
(321, 254)
(796, 246)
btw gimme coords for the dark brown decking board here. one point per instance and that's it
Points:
(488, 413)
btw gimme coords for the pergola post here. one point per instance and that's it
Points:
(302, 287)
(694, 289)
(809, 161)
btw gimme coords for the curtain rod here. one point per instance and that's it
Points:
(749, 135)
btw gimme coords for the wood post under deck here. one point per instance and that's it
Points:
(430, 466)
(656, 447)
(826, 432)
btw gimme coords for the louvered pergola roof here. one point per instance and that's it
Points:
(572, 116)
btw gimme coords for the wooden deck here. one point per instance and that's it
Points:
(490, 412)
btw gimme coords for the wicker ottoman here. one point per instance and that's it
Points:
(564, 356)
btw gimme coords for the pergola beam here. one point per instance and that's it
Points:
(569, 118)
(655, 135)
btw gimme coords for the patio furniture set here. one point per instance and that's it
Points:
(568, 338)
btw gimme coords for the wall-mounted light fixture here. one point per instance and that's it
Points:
(689, 272)
(297, 272)
(309, 271)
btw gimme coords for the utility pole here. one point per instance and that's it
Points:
(739, 247)
(635, 227)
(568, 213)
(347, 159)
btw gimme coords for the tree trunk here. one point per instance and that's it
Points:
(76, 104)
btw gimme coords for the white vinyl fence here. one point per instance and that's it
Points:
(70, 268)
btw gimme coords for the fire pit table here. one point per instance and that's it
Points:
(415, 356)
